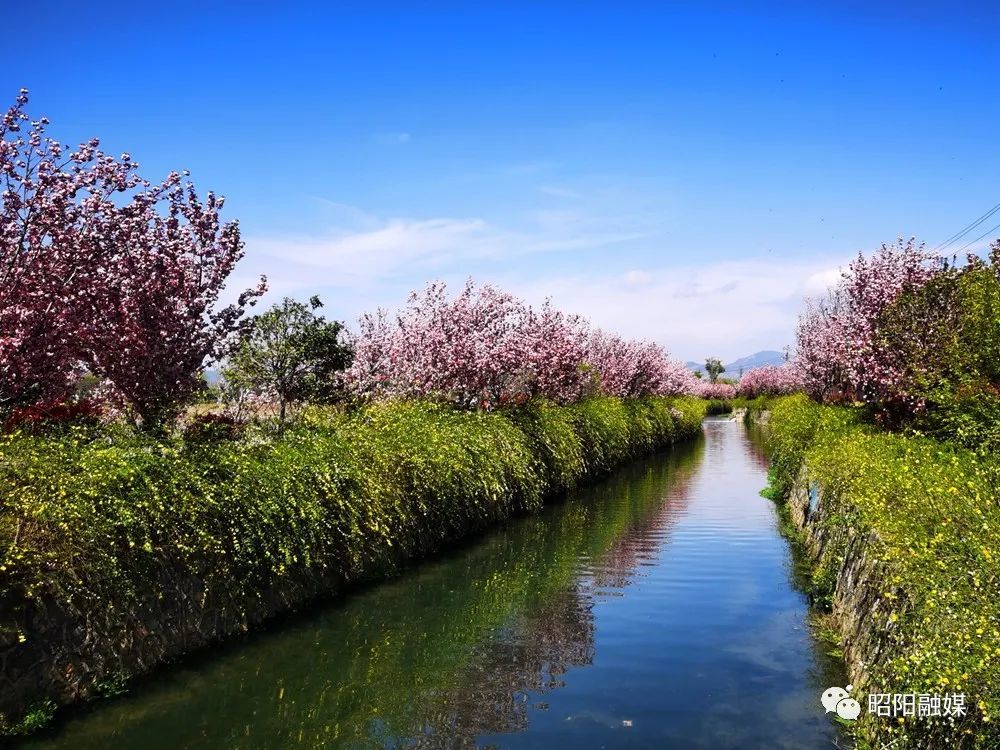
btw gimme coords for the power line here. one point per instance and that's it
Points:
(973, 242)
(965, 230)
(968, 228)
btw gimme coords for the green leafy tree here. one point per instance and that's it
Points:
(290, 354)
(714, 368)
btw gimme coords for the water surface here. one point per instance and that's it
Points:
(656, 609)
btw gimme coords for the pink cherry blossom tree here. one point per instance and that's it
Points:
(48, 252)
(168, 261)
(723, 391)
(102, 270)
(486, 348)
(631, 369)
(483, 348)
(839, 351)
(771, 380)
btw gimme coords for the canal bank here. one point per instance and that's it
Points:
(900, 534)
(656, 608)
(127, 552)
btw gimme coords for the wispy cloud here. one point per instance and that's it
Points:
(364, 248)
(820, 282)
(724, 308)
(378, 252)
(700, 289)
(727, 309)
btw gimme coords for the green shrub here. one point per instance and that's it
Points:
(793, 424)
(34, 719)
(717, 406)
(602, 424)
(688, 413)
(90, 516)
(444, 470)
(556, 449)
(322, 490)
(933, 509)
(968, 415)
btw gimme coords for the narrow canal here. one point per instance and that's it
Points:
(656, 609)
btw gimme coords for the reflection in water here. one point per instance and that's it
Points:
(754, 445)
(653, 609)
(492, 689)
(529, 655)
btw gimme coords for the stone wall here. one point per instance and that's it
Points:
(859, 579)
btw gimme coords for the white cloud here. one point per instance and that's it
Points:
(369, 254)
(722, 308)
(727, 309)
(638, 278)
(370, 249)
(820, 282)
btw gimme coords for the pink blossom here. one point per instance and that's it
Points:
(486, 348)
(708, 390)
(630, 369)
(106, 272)
(771, 380)
(839, 353)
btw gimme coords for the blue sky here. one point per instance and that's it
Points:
(685, 172)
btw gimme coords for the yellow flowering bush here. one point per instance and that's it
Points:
(935, 510)
(91, 517)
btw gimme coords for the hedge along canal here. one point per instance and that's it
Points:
(902, 535)
(655, 607)
(125, 552)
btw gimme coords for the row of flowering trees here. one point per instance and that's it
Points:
(106, 273)
(771, 380)
(486, 348)
(913, 337)
(709, 390)
(767, 380)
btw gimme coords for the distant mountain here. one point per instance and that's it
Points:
(757, 359)
(751, 361)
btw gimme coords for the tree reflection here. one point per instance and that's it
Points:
(448, 652)
(755, 448)
(495, 689)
